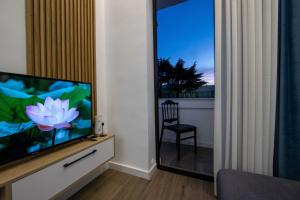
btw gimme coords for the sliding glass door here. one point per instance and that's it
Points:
(184, 80)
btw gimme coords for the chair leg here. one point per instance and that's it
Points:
(178, 145)
(195, 141)
(161, 137)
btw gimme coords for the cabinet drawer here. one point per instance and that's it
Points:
(46, 183)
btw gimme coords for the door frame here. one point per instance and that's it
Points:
(156, 107)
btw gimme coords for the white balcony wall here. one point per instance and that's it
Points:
(198, 112)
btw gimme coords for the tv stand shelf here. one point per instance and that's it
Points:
(70, 155)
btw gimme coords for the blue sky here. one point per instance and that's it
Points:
(186, 31)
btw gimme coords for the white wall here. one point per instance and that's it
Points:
(101, 61)
(12, 36)
(150, 79)
(126, 86)
(197, 112)
(124, 71)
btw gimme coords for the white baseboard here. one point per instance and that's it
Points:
(152, 170)
(145, 174)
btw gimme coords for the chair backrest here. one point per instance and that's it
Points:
(170, 111)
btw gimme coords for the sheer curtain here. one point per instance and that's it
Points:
(246, 73)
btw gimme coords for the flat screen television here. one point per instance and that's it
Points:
(37, 114)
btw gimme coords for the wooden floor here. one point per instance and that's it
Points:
(114, 185)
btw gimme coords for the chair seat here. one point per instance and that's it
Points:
(181, 128)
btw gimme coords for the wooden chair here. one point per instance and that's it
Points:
(170, 121)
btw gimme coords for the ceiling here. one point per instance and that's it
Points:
(161, 4)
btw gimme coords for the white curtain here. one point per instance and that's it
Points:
(246, 71)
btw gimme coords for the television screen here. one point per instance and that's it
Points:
(40, 113)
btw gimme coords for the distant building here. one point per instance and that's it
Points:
(206, 91)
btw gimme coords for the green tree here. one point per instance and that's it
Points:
(164, 74)
(178, 79)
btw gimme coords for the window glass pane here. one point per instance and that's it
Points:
(185, 47)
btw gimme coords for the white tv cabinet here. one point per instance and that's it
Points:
(47, 176)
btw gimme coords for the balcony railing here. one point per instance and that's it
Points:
(195, 111)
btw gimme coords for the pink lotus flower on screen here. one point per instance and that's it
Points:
(54, 114)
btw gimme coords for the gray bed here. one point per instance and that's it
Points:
(235, 185)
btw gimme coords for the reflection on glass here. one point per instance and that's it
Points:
(185, 74)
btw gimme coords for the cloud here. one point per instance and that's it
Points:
(209, 75)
